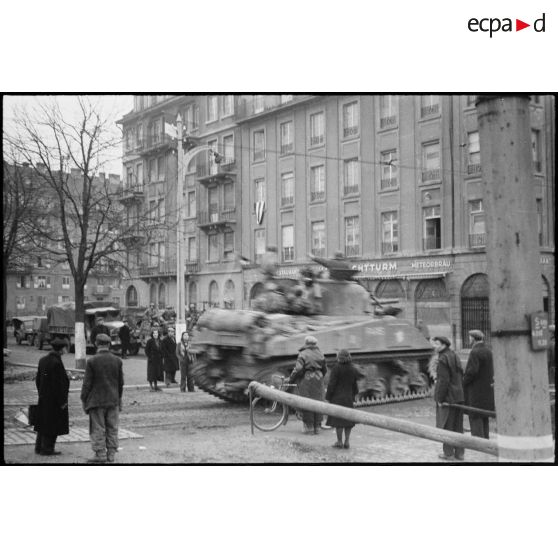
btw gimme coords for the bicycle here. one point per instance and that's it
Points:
(269, 415)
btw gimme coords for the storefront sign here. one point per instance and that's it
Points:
(539, 331)
(400, 267)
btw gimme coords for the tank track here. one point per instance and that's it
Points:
(370, 402)
(202, 382)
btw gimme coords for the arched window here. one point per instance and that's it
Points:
(131, 296)
(432, 306)
(213, 294)
(475, 312)
(153, 294)
(162, 295)
(256, 291)
(228, 294)
(193, 293)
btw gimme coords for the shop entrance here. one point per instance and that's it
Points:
(475, 312)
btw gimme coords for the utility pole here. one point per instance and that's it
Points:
(180, 325)
(514, 271)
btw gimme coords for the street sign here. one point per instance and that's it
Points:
(539, 331)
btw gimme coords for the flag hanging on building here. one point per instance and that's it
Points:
(260, 209)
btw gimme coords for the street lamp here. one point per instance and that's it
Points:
(183, 160)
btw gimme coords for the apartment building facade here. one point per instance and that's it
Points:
(392, 181)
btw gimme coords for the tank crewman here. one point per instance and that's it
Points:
(192, 317)
(151, 313)
(339, 268)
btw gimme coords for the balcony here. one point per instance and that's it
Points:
(156, 142)
(132, 235)
(165, 268)
(131, 193)
(216, 173)
(474, 168)
(390, 247)
(477, 240)
(102, 289)
(316, 140)
(429, 110)
(388, 121)
(431, 243)
(287, 148)
(267, 103)
(191, 266)
(287, 200)
(103, 271)
(317, 196)
(351, 190)
(216, 219)
(430, 175)
(352, 250)
(388, 183)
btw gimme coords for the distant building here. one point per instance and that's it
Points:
(392, 181)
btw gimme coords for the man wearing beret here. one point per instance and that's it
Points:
(101, 396)
(449, 389)
(478, 383)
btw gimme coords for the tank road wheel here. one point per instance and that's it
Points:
(268, 415)
(398, 385)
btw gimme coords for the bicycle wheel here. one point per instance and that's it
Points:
(268, 415)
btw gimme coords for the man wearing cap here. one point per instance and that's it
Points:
(53, 386)
(478, 383)
(449, 389)
(170, 360)
(101, 396)
(308, 373)
(100, 327)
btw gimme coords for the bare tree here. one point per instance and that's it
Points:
(84, 222)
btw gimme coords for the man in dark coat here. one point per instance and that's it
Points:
(124, 334)
(478, 383)
(170, 360)
(101, 395)
(100, 327)
(449, 389)
(53, 386)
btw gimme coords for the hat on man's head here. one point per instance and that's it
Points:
(442, 339)
(102, 339)
(343, 356)
(476, 334)
(310, 340)
(57, 343)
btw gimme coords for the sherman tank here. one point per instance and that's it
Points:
(234, 347)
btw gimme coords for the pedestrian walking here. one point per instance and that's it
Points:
(478, 382)
(423, 328)
(99, 327)
(308, 373)
(52, 413)
(184, 359)
(448, 390)
(101, 396)
(170, 361)
(341, 390)
(154, 360)
(124, 334)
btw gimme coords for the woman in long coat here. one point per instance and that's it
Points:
(341, 390)
(53, 386)
(154, 360)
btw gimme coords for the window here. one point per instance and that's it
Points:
(258, 103)
(152, 170)
(139, 135)
(65, 298)
(259, 190)
(352, 236)
(213, 204)
(192, 203)
(259, 245)
(259, 145)
(161, 210)
(41, 282)
(287, 243)
(65, 282)
(432, 228)
(540, 221)
(388, 110)
(429, 105)
(286, 99)
(139, 174)
(213, 247)
(287, 188)
(153, 211)
(471, 100)
(152, 255)
(212, 108)
(213, 166)
(192, 249)
(161, 255)
(477, 230)
(20, 302)
(350, 119)
(317, 128)
(536, 149)
(129, 177)
(228, 105)
(389, 169)
(156, 130)
(228, 150)
(228, 245)
(128, 137)
(161, 168)
(41, 302)
(317, 183)
(350, 177)
(390, 232)
(228, 197)
(191, 118)
(287, 144)
(20, 282)
(318, 238)
(473, 153)
(228, 294)
(431, 161)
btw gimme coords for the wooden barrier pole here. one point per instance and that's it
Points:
(372, 419)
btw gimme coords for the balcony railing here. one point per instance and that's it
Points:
(316, 140)
(217, 216)
(390, 247)
(429, 110)
(152, 142)
(286, 148)
(431, 174)
(131, 192)
(431, 243)
(387, 183)
(192, 266)
(226, 165)
(350, 131)
(477, 240)
(132, 234)
(474, 168)
(102, 289)
(388, 121)
(265, 103)
(317, 196)
(166, 267)
(537, 166)
(287, 200)
(352, 250)
(288, 254)
(350, 189)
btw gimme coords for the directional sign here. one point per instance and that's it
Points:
(539, 331)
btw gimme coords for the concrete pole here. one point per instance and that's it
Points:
(514, 272)
(180, 325)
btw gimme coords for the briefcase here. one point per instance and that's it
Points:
(33, 415)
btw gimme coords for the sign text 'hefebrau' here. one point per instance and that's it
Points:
(493, 25)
